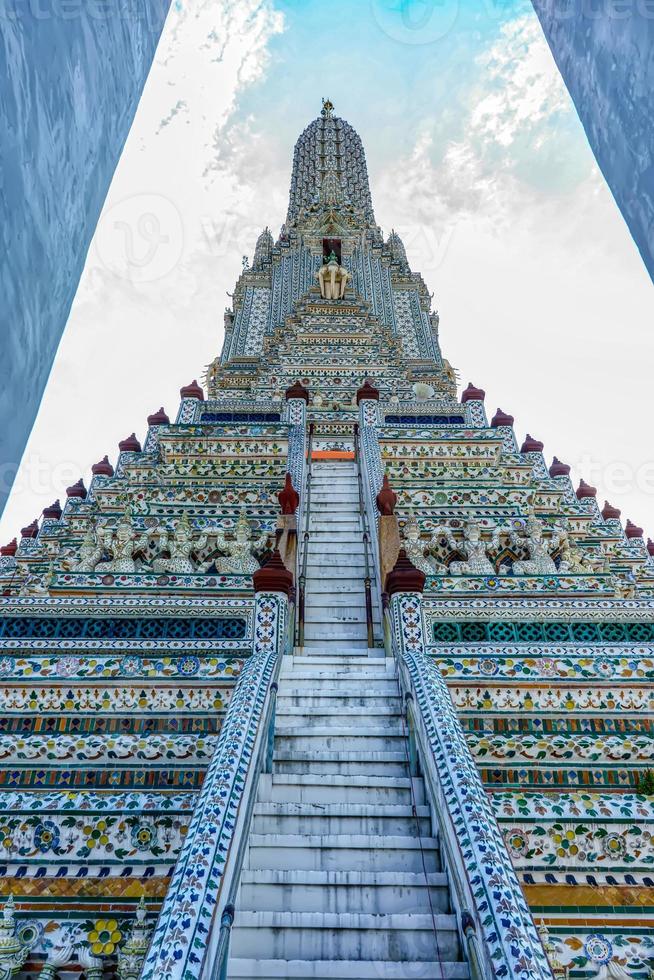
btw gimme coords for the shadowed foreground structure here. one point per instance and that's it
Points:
(605, 52)
(72, 78)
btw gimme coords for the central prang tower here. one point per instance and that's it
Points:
(381, 327)
(329, 677)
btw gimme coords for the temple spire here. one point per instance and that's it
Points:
(329, 168)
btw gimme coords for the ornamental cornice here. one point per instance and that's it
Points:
(524, 609)
(124, 606)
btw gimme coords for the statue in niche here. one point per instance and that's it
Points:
(34, 583)
(90, 551)
(532, 539)
(417, 550)
(240, 550)
(475, 549)
(122, 545)
(13, 951)
(573, 560)
(180, 548)
(332, 278)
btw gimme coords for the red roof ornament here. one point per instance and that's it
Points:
(633, 531)
(274, 576)
(610, 513)
(404, 577)
(386, 498)
(77, 490)
(130, 445)
(53, 512)
(501, 418)
(9, 550)
(650, 547)
(103, 468)
(472, 394)
(585, 491)
(158, 418)
(558, 468)
(288, 498)
(297, 390)
(192, 391)
(30, 531)
(531, 445)
(367, 391)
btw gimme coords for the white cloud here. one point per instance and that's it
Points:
(148, 312)
(544, 300)
(525, 89)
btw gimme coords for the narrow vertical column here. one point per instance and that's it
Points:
(296, 415)
(369, 459)
(473, 399)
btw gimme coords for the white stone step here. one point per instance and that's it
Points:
(263, 969)
(339, 600)
(340, 718)
(352, 655)
(332, 586)
(339, 669)
(326, 633)
(382, 727)
(389, 739)
(334, 501)
(350, 628)
(336, 534)
(337, 679)
(349, 485)
(345, 489)
(335, 617)
(318, 559)
(343, 472)
(329, 701)
(346, 852)
(385, 690)
(322, 524)
(378, 893)
(340, 818)
(291, 788)
(300, 935)
(337, 480)
(322, 642)
(345, 763)
(350, 555)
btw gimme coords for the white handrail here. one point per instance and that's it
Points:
(495, 920)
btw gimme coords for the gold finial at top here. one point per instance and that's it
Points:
(327, 107)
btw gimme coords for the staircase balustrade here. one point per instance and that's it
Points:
(191, 939)
(367, 581)
(496, 925)
(306, 534)
(497, 928)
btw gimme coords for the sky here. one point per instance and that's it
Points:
(476, 157)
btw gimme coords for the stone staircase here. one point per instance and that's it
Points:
(335, 595)
(342, 877)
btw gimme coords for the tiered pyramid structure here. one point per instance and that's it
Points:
(131, 620)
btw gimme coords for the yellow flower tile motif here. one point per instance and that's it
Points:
(104, 937)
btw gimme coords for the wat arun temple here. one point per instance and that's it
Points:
(327, 675)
